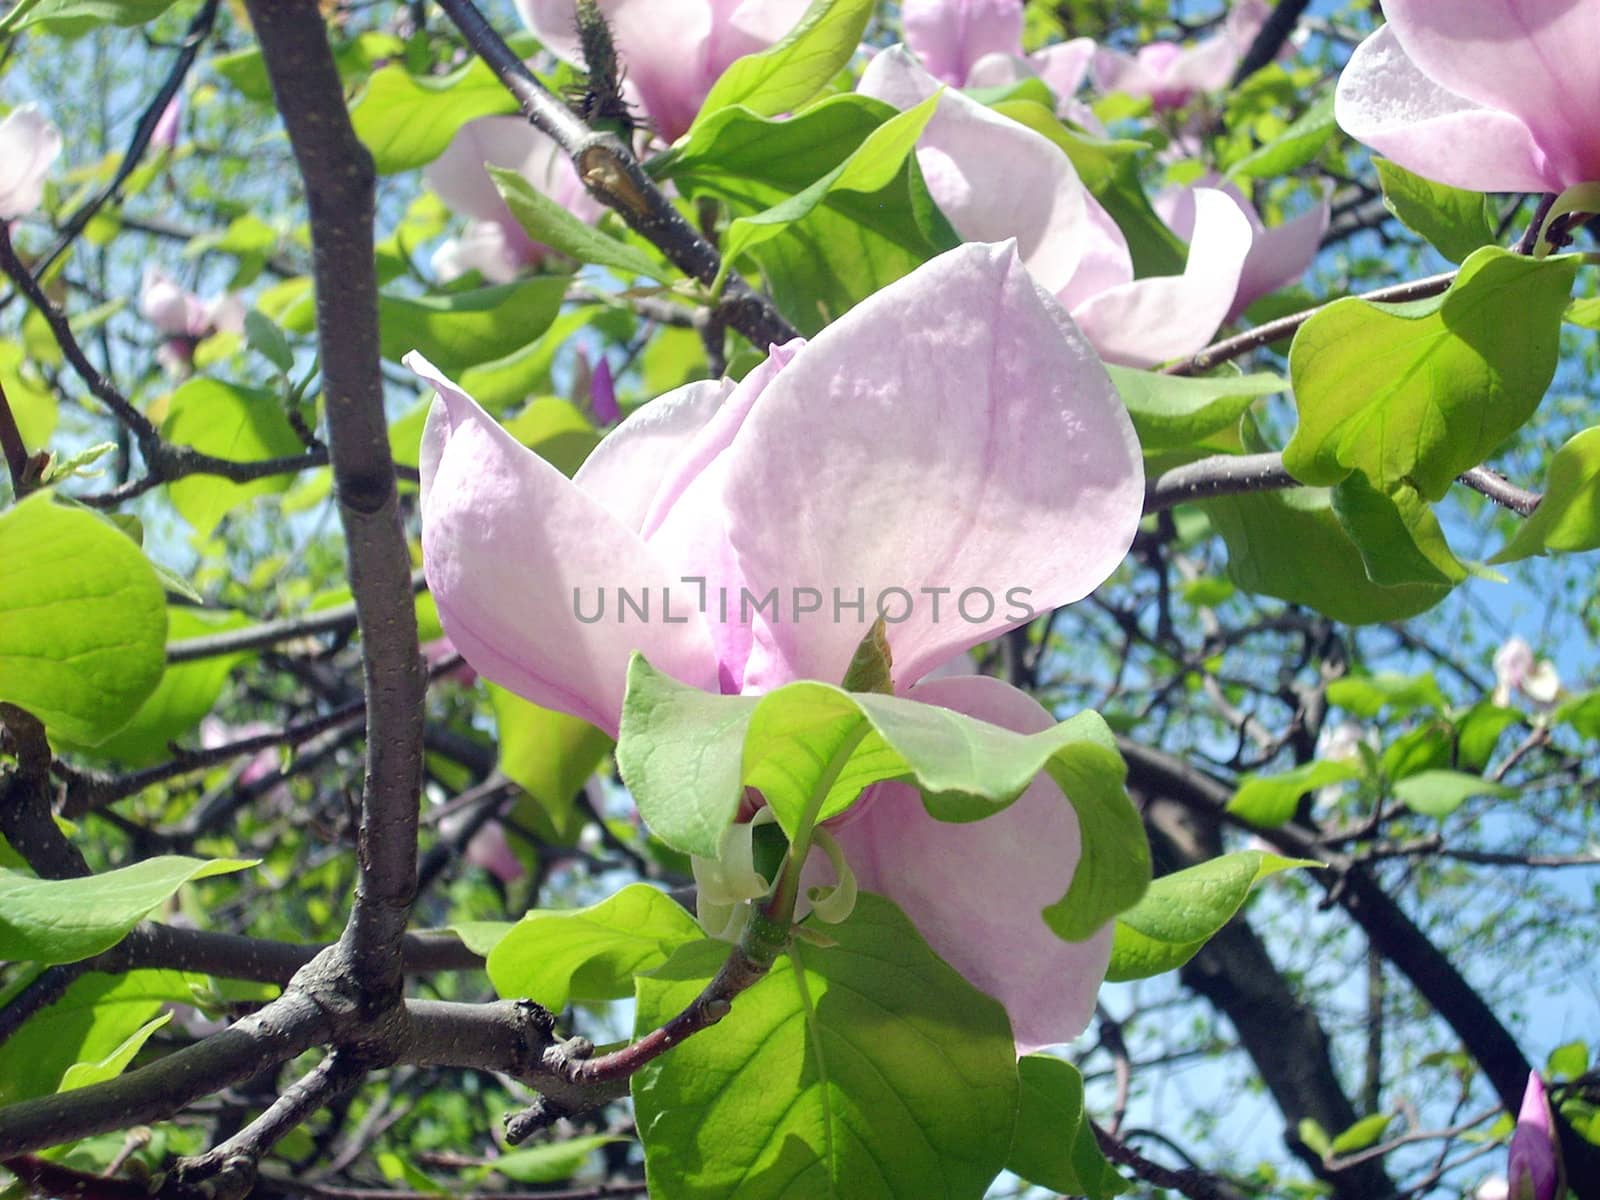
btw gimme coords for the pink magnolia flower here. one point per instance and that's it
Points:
(672, 51)
(487, 848)
(1278, 256)
(953, 431)
(1171, 74)
(994, 178)
(978, 43)
(1515, 670)
(165, 135)
(29, 144)
(1487, 95)
(184, 318)
(493, 243)
(1533, 1167)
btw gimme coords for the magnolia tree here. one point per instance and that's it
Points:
(754, 599)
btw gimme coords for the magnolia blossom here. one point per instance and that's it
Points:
(671, 51)
(29, 143)
(994, 178)
(1516, 670)
(1171, 74)
(954, 432)
(1533, 1165)
(493, 242)
(1278, 256)
(165, 135)
(1488, 95)
(978, 43)
(179, 313)
(488, 848)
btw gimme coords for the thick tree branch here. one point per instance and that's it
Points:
(1219, 475)
(1272, 38)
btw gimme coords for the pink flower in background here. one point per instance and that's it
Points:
(493, 243)
(1533, 1166)
(672, 51)
(1172, 74)
(179, 313)
(1515, 670)
(487, 848)
(994, 178)
(441, 648)
(216, 732)
(1278, 256)
(603, 394)
(29, 144)
(165, 134)
(1487, 95)
(953, 430)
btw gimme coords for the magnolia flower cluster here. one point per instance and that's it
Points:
(183, 318)
(955, 430)
(29, 144)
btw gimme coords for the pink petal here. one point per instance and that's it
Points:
(29, 144)
(949, 36)
(514, 551)
(952, 431)
(976, 891)
(1532, 1168)
(165, 304)
(1152, 320)
(1385, 101)
(1280, 255)
(497, 251)
(458, 177)
(1207, 66)
(1064, 66)
(1534, 59)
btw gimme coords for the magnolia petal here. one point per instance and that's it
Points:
(29, 143)
(1280, 255)
(513, 552)
(1385, 101)
(977, 891)
(1152, 320)
(958, 433)
(1533, 59)
(165, 304)
(459, 179)
(482, 247)
(949, 36)
(1063, 67)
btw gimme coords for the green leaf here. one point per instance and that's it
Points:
(1568, 1060)
(1270, 800)
(85, 1073)
(556, 431)
(65, 920)
(83, 621)
(1440, 793)
(1568, 518)
(32, 405)
(1454, 222)
(1053, 1145)
(1362, 1134)
(482, 936)
(1290, 545)
(687, 756)
(1417, 393)
(1315, 1137)
(1181, 912)
(69, 18)
(1399, 538)
(236, 423)
(267, 340)
(1368, 695)
(468, 329)
(548, 1164)
(553, 957)
(784, 76)
(549, 223)
(864, 1068)
(1294, 147)
(547, 753)
(1171, 412)
(407, 121)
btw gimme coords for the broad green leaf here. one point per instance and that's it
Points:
(549, 223)
(186, 693)
(1582, 712)
(556, 431)
(1053, 1145)
(872, 166)
(236, 423)
(1291, 545)
(1399, 538)
(83, 621)
(1362, 1134)
(549, 754)
(553, 957)
(1454, 222)
(1417, 393)
(1171, 412)
(1568, 518)
(1478, 731)
(1270, 800)
(550, 1163)
(1315, 1137)
(32, 404)
(1295, 147)
(1368, 695)
(468, 329)
(866, 1068)
(407, 121)
(1428, 747)
(481, 937)
(69, 18)
(507, 382)
(85, 1073)
(1440, 793)
(784, 76)
(1182, 911)
(1568, 1060)
(687, 756)
(65, 920)
(96, 1014)
(267, 340)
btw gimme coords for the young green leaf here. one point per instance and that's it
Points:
(1053, 1145)
(1440, 793)
(467, 329)
(548, 222)
(1270, 800)
(1454, 222)
(1568, 518)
